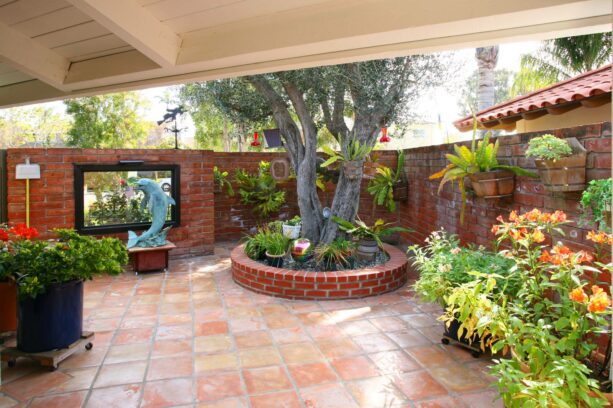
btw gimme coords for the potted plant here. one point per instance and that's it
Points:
(597, 200)
(489, 179)
(383, 186)
(336, 254)
(276, 248)
(49, 276)
(221, 180)
(291, 228)
(369, 238)
(370, 165)
(352, 157)
(560, 162)
(255, 245)
(8, 290)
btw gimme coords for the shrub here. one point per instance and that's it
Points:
(548, 147)
(260, 190)
(597, 198)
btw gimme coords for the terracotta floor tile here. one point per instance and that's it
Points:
(338, 347)
(122, 396)
(259, 357)
(180, 331)
(481, 399)
(123, 373)
(377, 392)
(246, 324)
(357, 328)
(219, 386)
(128, 336)
(208, 314)
(173, 319)
(421, 320)
(85, 358)
(167, 393)
(7, 402)
(165, 348)
(211, 328)
(212, 344)
(248, 339)
(351, 368)
(37, 383)
(374, 342)
(71, 399)
(457, 378)
(260, 380)
(226, 403)
(287, 399)
(80, 379)
(127, 352)
(327, 396)
(443, 402)
(282, 321)
(418, 385)
(290, 335)
(101, 324)
(136, 322)
(207, 363)
(172, 367)
(393, 362)
(388, 323)
(408, 338)
(430, 356)
(324, 332)
(274, 309)
(300, 353)
(149, 311)
(306, 375)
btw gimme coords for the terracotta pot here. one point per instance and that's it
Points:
(370, 169)
(566, 174)
(490, 184)
(8, 307)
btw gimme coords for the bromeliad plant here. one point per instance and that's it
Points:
(381, 187)
(260, 190)
(549, 325)
(481, 157)
(355, 151)
(34, 265)
(360, 230)
(221, 180)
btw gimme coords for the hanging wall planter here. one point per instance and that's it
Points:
(352, 169)
(566, 173)
(493, 184)
(273, 138)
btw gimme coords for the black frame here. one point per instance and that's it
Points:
(80, 169)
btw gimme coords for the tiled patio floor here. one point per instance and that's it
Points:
(193, 338)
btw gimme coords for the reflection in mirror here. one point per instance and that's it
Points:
(110, 201)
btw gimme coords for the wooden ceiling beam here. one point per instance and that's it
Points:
(34, 59)
(136, 26)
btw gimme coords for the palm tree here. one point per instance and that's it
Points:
(560, 59)
(487, 58)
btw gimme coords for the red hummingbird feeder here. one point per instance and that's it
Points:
(384, 137)
(255, 142)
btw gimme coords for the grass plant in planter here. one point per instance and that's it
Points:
(368, 238)
(276, 248)
(337, 254)
(255, 245)
(489, 179)
(49, 276)
(291, 228)
(560, 162)
(596, 204)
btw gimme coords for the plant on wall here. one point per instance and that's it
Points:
(597, 199)
(221, 180)
(260, 190)
(548, 147)
(381, 187)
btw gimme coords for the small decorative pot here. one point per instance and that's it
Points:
(275, 261)
(352, 169)
(492, 184)
(367, 249)
(567, 173)
(401, 191)
(8, 307)
(291, 231)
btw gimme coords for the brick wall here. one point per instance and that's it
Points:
(52, 197)
(426, 210)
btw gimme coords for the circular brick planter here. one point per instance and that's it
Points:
(306, 285)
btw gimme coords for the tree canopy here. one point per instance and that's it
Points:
(36, 126)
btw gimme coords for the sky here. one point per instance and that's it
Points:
(438, 101)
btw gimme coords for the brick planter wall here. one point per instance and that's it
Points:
(52, 197)
(290, 284)
(427, 211)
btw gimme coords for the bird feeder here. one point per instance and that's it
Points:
(384, 137)
(255, 142)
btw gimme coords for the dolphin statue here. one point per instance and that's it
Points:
(157, 203)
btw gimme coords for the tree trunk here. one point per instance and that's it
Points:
(487, 58)
(226, 136)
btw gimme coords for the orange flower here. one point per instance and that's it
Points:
(578, 295)
(599, 300)
(513, 216)
(23, 231)
(515, 234)
(538, 236)
(545, 257)
(533, 215)
(600, 238)
(558, 216)
(495, 229)
(584, 257)
(499, 218)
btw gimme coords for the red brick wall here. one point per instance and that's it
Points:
(427, 210)
(52, 197)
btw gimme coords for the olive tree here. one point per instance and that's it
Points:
(353, 101)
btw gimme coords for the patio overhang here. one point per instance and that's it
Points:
(58, 49)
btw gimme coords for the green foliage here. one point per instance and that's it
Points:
(336, 253)
(597, 200)
(221, 179)
(381, 187)
(32, 126)
(116, 208)
(444, 265)
(260, 190)
(548, 147)
(481, 157)
(360, 230)
(560, 59)
(354, 151)
(275, 243)
(108, 121)
(34, 265)
(295, 221)
(255, 245)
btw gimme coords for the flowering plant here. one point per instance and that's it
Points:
(35, 264)
(549, 325)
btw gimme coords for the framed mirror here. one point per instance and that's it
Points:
(106, 200)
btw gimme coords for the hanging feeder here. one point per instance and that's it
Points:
(255, 142)
(384, 137)
(273, 138)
